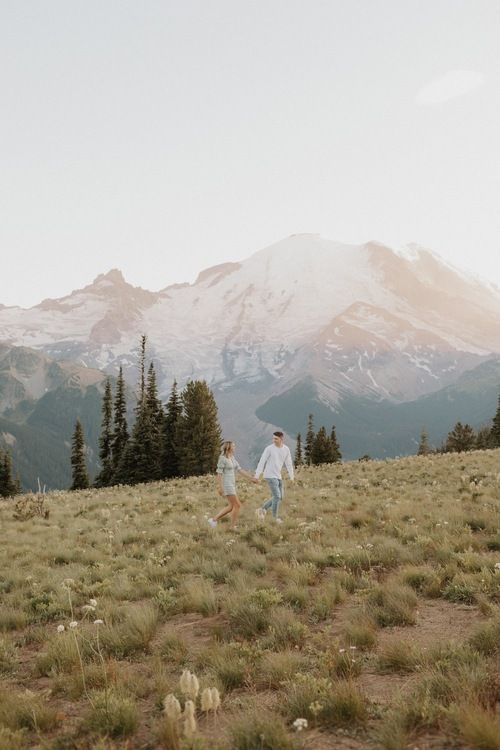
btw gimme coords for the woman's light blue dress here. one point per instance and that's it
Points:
(228, 467)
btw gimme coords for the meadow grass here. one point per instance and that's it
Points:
(384, 576)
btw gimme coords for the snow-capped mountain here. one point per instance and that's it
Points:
(359, 320)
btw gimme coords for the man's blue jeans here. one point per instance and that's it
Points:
(276, 487)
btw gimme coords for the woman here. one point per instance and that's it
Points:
(226, 484)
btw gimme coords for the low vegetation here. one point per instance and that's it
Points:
(369, 619)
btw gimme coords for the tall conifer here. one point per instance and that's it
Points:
(322, 452)
(461, 438)
(170, 458)
(495, 429)
(8, 485)
(104, 477)
(120, 429)
(336, 454)
(423, 446)
(309, 440)
(78, 465)
(298, 460)
(198, 434)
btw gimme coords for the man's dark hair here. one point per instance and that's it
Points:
(278, 433)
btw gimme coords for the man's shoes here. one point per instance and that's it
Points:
(212, 523)
(278, 520)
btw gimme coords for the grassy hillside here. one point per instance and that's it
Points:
(371, 613)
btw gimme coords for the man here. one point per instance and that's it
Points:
(271, 463)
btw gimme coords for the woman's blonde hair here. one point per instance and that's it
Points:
(226, 447)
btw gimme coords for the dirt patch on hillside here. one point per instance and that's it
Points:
(437, 621)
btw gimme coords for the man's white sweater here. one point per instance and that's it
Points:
(272, 461)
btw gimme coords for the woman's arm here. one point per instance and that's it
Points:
(249, 476)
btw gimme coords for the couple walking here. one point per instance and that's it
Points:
(271, 463)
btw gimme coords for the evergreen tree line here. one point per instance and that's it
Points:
(8, 485)
(319, 447)
(463, 438)
(180, 438)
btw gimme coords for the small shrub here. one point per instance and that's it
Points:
(198, 595)
(361, 634)
(173, 648)
(324, 702)
(285, 630)
(26, 711)
(401, 656)
(326, 599)
(7, 657)
(112, 714)
(479, 727)
(131, 636)
(11, 619)
(392, 605)
(486, 638)
(260, 732)
(462, 589)
(278, 667)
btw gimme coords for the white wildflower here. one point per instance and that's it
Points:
(172, 707)
(93, 602)
(73, 624)
(206, 700)
(189, 719)
(98, 622)
(88, 608)
(60, 628)
(300, 724)
(215, 699)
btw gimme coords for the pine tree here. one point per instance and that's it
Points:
(105, 476)
(484, 439)
(336, 454)
(170, 459)
(156, 421)
(309, 440)
(142, 371)
(78, 465)
(423, 446)
(495, 429)
(322, 451)
(120, 434)
(298, 461)
(8, 485)
(461, 438)
(198, 436)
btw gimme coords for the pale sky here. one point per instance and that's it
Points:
(162, 137)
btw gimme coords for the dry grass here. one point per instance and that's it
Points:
(372, 612)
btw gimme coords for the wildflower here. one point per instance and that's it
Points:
(497, 566)
(88, 608)
(215, 699)
(93, 602)
(172, 707)
(98, 622)
(206, 700)
(73, 624)
(315, 707)
(60, 628)
(189, 719)
(189, 684)
(300, 724)
(341, 650)
(353, 648)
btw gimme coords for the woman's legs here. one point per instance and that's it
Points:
(233, 507)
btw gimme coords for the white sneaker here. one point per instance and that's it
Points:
(278, 520)
(260, 513)
(212, 523)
